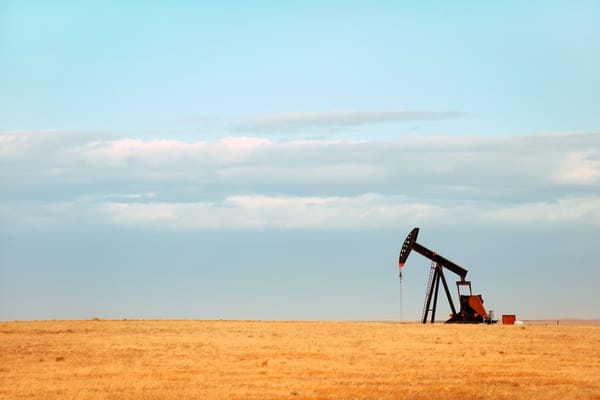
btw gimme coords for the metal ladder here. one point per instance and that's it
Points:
(429, 288)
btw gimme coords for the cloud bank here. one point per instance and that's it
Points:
(251, 183)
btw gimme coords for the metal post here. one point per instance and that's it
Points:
(448, 293)
(435, 295)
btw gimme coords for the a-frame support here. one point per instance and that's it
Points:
(432, 293)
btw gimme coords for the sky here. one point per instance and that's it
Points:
(266, 160)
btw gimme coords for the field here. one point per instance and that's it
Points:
(99, 359)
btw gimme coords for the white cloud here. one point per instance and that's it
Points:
(584, 210)
(17, 144)
(240, 212)
(578, 168)
(291, 122)
(270, 212)
(130, 196)
(118, 152)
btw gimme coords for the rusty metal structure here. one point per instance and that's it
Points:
(471, 306)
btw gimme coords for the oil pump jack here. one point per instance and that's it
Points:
(471, 306)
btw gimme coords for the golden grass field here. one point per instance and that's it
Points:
(300, 360)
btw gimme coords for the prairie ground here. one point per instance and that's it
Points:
(300, 360)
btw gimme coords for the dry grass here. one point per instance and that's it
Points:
(316, 360)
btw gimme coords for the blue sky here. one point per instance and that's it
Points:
(265, 160)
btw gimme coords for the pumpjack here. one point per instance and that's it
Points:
(471, 306)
